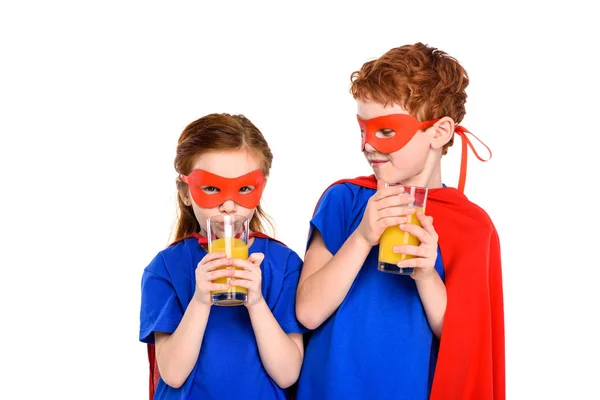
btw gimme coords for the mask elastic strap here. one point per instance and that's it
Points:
(462, 132)
(423, 126)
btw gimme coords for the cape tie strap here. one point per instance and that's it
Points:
(462, 132)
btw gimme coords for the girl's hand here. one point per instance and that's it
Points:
(249, 277)
(207, 271)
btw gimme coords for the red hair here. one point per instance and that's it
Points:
(218, 132)
(425, 81)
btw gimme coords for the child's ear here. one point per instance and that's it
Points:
(184, 195)
(444, 129)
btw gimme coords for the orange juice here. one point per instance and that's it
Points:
(394, 236)
(234, 248)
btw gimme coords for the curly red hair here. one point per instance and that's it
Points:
(425, 81)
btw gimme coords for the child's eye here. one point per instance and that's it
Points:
(246, 189)
(210, 189)
(385, 133)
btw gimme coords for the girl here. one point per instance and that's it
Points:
(206, 352)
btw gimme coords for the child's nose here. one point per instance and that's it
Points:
(228, 207)
(368, 148)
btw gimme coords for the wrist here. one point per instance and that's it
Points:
(427, 277)
(199, 304)
(360, 240)
(253, 308)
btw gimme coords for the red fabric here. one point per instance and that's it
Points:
(404, 126)
(471, 359)
(154, 374)
(229, 188)
(462, 132)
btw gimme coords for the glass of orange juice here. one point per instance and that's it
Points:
(394, 236)
(228, 234)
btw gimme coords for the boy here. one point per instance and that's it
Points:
(439, 335)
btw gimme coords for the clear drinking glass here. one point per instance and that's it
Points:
(394, 236)
(229, 234)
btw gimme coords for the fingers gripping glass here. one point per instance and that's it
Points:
(394, 236)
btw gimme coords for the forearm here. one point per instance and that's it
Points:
(279, 354)
(323, 292)
(178, 354)
(432, 292)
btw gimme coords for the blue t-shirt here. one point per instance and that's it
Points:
(378, 343)
(229, 365)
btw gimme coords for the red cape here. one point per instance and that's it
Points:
(154, 372)
(470, 362)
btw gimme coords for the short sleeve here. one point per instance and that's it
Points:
(330, 217)
(161, 310)
(285, 308)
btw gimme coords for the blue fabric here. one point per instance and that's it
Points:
(378, 344)
(229, 365)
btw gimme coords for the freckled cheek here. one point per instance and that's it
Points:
(202, 214)
(247, 212)
(401, 158)
(415, 152)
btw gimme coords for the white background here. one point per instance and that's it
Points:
(93, 96)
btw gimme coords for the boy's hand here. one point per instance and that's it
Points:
(385, 208)
(426, 252)
(250, 277)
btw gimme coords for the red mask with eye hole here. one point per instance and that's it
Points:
(228, 188)
(405, 127)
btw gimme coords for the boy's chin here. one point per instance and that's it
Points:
(390, 176)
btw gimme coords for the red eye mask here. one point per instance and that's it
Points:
(404, 125)
(229, 188)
